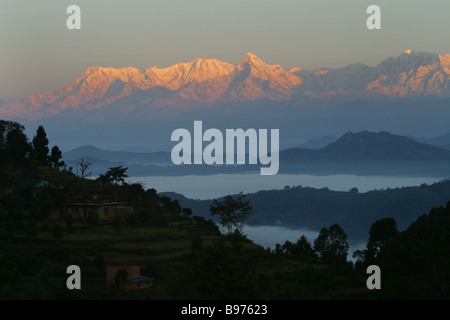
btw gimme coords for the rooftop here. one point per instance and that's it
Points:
(139, 278)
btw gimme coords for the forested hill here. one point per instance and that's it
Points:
(301, 207)
(369, 146)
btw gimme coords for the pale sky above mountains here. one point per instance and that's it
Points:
(38, 52)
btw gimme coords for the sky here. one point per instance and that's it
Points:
(38, 52)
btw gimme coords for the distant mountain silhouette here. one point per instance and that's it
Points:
(362, 146)
(369, 146)
(310, 208)
(318, 143)
(117, 156)
(439, 141)
(364, 153)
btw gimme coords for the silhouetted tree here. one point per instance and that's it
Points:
(40, 145)
(103, 179)
(380, 233)
(232, 212)
(302, 250)
(17, 146)
(84, 166)
(331, 245)
(117, 175)
(206, 226)
(187, 212)
(55, 158)
(415, 262)
(354, 190)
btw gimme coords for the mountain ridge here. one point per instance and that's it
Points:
(205, 82)
(369, 146)
(357, 153)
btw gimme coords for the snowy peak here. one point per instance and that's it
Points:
(411, 74)
(251, 60)
(406, 61)
(444, 61)
(204, 82)
(253, 79)
(181, 74)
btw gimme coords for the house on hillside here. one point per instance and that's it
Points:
(104, 210)
(127, 277)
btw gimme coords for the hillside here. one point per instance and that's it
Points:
(369, 146)
(310, 208)
(52, 220)
(382, 146)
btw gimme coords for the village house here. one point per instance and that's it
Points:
(104, 210)
(127, 277)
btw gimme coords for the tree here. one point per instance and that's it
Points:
(380, 233)
(117, 176)
(55, 158)
(187, 212)
(17, 145)
(40, 145)
(103, 179)
(331, 245)
(84, 166)
(232, 212)
(5, 128)
(299, 251)
(354, 190)
(415, 262)
(302, 250)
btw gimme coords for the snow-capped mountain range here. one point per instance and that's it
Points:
(206, 82)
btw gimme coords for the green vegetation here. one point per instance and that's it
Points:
(186, 254)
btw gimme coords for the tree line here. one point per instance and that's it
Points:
(414, 262)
